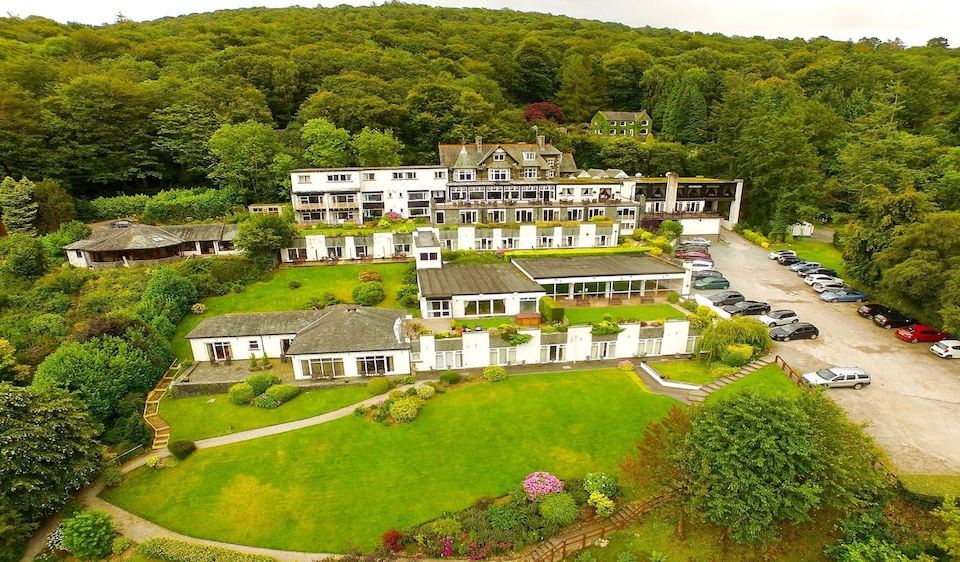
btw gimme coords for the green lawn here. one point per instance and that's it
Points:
(815, 250)
(199, 417)
(694, 372)
(765, 380)
(486, 323)
(932, 485)
(337, 487)
(275, 294)
(642, 312)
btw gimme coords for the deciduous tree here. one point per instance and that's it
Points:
(377, 148)
(17, 207)
(326, 145)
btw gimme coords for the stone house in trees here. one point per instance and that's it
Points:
(622, 124)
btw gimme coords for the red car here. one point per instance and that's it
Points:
(684, 255)
(921, 333)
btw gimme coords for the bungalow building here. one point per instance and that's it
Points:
(608, 277)
(144, 244)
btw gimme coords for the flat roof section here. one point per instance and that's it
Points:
(594, 266)
(474, 279)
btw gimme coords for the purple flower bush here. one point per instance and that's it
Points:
(538, 484)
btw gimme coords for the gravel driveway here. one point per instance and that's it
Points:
(913, 406)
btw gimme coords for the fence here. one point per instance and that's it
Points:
(558, 548)
(789, 371)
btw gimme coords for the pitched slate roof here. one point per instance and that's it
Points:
(594, 266)
(134, 237)
(347, 328)
(474, 279)
(255, 324)
(622, 115)
(202, 232)
(469, 156)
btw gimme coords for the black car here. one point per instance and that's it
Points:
(797, 331)
(747, 308)
(821, 270)
(726, 297)
(892, 319)
(705, 273)
(872, 309)
(788, 260)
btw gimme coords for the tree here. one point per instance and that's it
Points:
(170, 294)
(244, 155)
(183, 132)
(624, 66)
(377, 148)
(17, 207)
(54, 206)
(88, 535)
(949, 514)
(685, 118)
(544, 111)
(24, 256)
(66, 233)
(50, 451)
(536, 67)
(10, 371)
(264, 235)
(736, 330)
(327, 146)
(583, 88)
(657, 464)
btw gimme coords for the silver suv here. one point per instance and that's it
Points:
(839, 377)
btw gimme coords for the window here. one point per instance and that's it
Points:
(439, 174)
(689, 206)
(438, 217)
(613, 131)
(499, 174)
(484, 307)
(484, 244)
(323, 368)
(468, 217)
(447, 243)
(569, 241)
(303, 178)
(529, 156)
(545, 242)
(550, 214)
(334, 252)
(361, 251)
(503, 355)
(438, 308)
(429, 256)
(594, 212)
(691, 344)
(78, 253)
(650, 346)
(338, 177)
(603, 350)
(373, 197)
(410, 175)
(528, 304)
(343, 199)
(419, 212)
(626, 213)
(297, 254)
(602, 240)
(253, 345)
(312, 217)
(524, 215)
(496, 215)
(221, 351)
(530, 173)
(374, 365)
(623, 123)
(631, 132)
(553, 353)
(499, 156)
(369, 176)
(575, 214)
(465, 175)
(309, 199)
(418, 196)
(401, 249)
(510, 243)
(397, 175)
(550, 173)
(449, 359)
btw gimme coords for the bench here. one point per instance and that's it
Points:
(646, 300)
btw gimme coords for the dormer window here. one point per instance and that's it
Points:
(465, 175)
(499, 156)
(529, 156)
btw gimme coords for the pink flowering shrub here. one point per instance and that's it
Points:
(538, 484)
(446, 547)
(393, 215)
(625, 365)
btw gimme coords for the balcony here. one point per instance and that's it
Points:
(343, 205)
(309, 206)
(532, 203)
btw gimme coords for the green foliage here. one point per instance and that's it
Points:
(23, 256)
(949, 514)
(445, 527)
(326, 145)
(170, 550)
(559, 509)
(369, 293)
(450, 377)
(405, 409)
(605, 328)
(426, 392)
(17, 207)
(494, 373)
(181, 449)
(323, 301)
(188, 205)
(671, 230)
(170, 294)
(244, 158)
(685, 118)
(505, 517)
(737, 330)
(55, 207)
(266, 402)
(601, 482)
(378, 385)
(377, 148)
(756, 238)
(550, 311)
(260, 383)
(673, 297)
(283, 392)
(408, 295)
(264, 235)
(67, 233)
(736, 354)
(88, 535)
(241, 394)
(603, 504)
(111, 475)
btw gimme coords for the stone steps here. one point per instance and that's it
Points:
(699, 396)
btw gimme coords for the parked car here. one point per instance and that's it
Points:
(839, 377)
(706, 273)
(698, 265)
(892, 319)
(779, 318)
(691, 255)
(698, 241)
(726, 297)
(803, 265)
(711, 283)
(121, 224)
(820, 278)
(692, 248)
(747, 308)
(832, 286)
(798, 331)
(915, 333)
(843, 295)
(948, 349)
(789, 259)
(818, 270)
(872, 309)
(777, 253)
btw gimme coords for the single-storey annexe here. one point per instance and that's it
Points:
(476, 290)
(144, 244)
(609, 276)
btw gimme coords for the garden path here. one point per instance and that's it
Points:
(699, 396)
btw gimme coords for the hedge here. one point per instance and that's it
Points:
(551, 311)
(756, 238)
(260, 383)
(378, 385)
(171, 550)
(241, 394)
(181, 449)
(283, 392)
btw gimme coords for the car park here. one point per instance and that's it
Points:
(818, 270)
(872, 309)
(692, 248)
(804, 265)
(697, 241)
(747, 308)
(711, 283)
(819, 278)
(892, 319)
(843, 295)
(706, 273)
(916, 333)
(698, 265)
(691, 255)
(798, 331)
(788, 260)
(832, 286)
(839, 377)
(726, 297)
(948, 349)
(777, 253)
(779, 318)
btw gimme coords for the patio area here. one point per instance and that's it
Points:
(236, 371)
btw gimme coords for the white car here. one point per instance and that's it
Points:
(778, 318)
(697, 241)
(830, 286)
(777, 253)
(820, 278)
(698, 265)
(839, 377)
(948, 349)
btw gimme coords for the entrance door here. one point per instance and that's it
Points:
(284, 346)
(221, 351)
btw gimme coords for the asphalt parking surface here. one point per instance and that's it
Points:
(912, 406)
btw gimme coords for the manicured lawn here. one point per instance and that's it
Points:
(815, 250)
(275, 294)
(695, 372)
(642, 312)
(486, 323)
(932, 485)
(199, 417)
(768, 380)
(337, 487)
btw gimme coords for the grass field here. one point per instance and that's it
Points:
(642, 312)
(486, 323)
(275, 294)
(337, 487)
(765, 380)
(932, 485)
(694, 372)
(815, 250)
(199, 417)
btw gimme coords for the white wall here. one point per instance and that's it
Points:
(401, 362)
(675, 333)
(240, 346)
(707, 226)
(77, 261)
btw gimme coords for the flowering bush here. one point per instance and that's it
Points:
(601, 482)
(266, 401)
(392, 540)
(405, 409)
(198, 308)
(446, 547)
(494, 373)
(155, 463)
(366, 276)
(55, 540)
(538, 484)
(602, 504)
(625, 365)
(425, 391)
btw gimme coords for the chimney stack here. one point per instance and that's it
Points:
(479, 143)
(541, 141)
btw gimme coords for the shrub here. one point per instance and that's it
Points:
(737, 354)
(602, 504)
(670, 230)
(494, 373)
(425, 391)
(368, 294)
(444, 527)
(155, 463)
(673, 297)
(253, 365)
(260, 383)
(407, 379)
(408, 295)
(294, 284)
(88, 535)
(559, 509)
(505, 517)
(605, 328)
(170, 550)
(625, 365)
(718, 335)
(551, 311)
(121, 545)
(392, 540)
(198, 308)
(241, 394)
(585, 556)
(601, 482)
(323, 301)
(538, 484)
(450, 377)
(378, 385)
(405, 409)
(756, 238)
(367, 276)
(111, 475)
(283, 392)
(181, 449)
(719, 370)
(266, 402)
